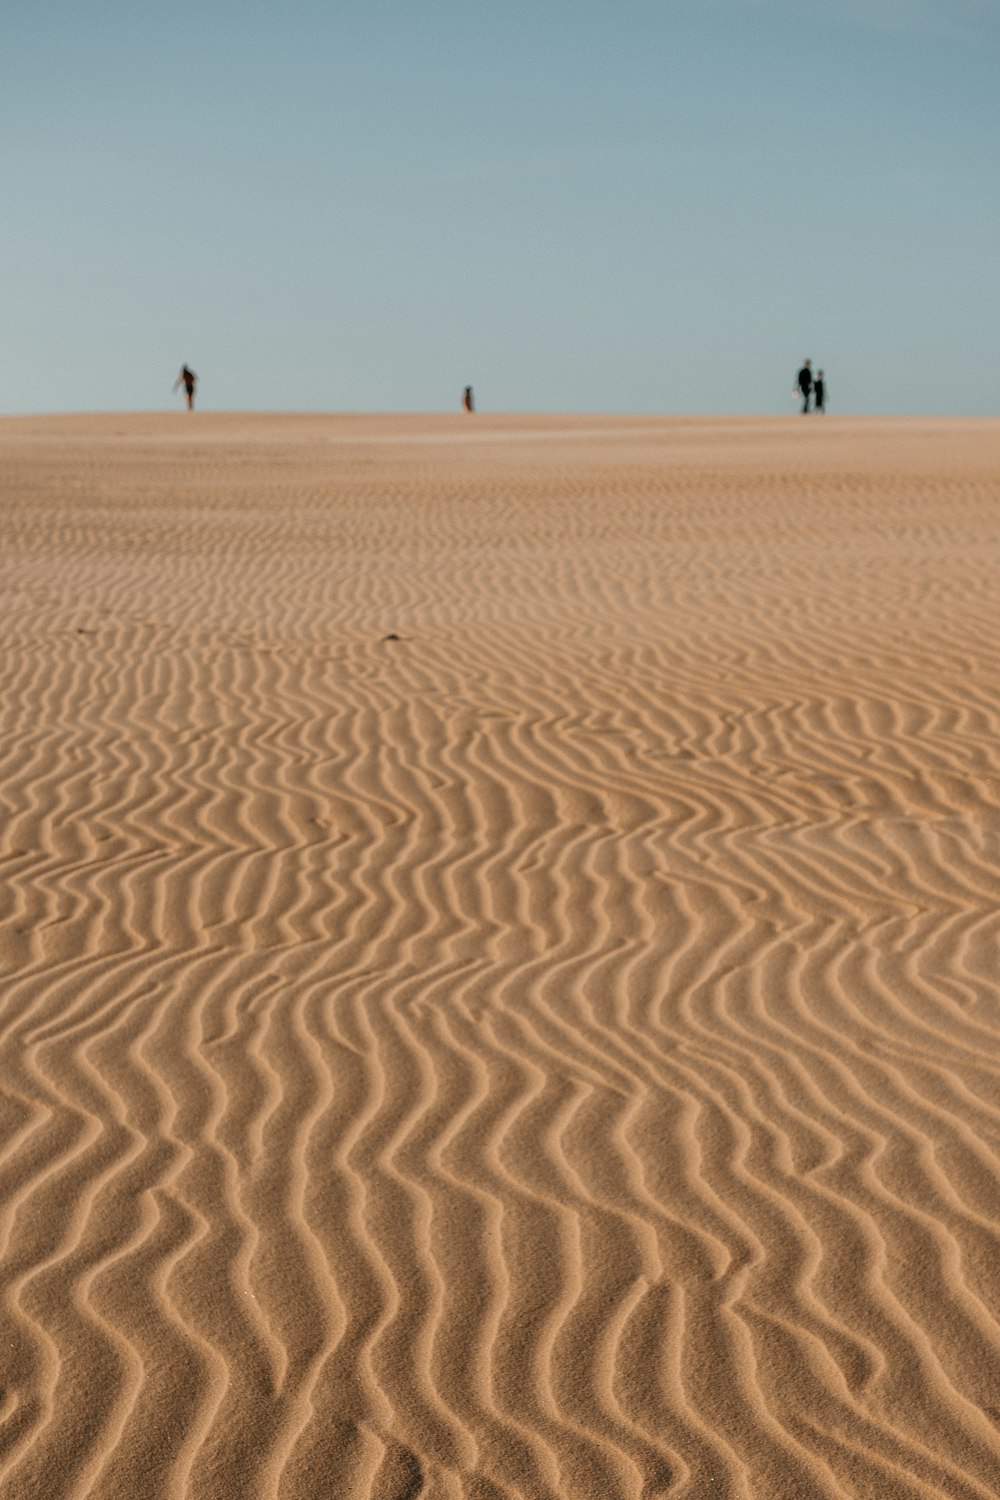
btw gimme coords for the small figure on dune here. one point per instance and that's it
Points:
(819, 392)
(467, 404)
(804, 384)
(188, 379)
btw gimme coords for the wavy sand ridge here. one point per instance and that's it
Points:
(500, 952)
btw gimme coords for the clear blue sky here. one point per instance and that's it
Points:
(617, 205)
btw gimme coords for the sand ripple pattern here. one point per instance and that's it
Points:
(499, 931)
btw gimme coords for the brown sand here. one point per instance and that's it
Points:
(500, 938)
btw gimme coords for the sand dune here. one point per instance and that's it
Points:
(500, 933)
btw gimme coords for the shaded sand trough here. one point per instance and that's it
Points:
(499, 937)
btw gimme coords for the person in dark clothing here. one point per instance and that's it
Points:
(819, 392)
(804, 383)
(188, 379)
(467, 399)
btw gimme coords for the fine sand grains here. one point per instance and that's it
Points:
(499, 939)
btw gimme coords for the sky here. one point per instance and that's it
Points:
(573, 205)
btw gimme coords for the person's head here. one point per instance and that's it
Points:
(806, 363)
(819, 374)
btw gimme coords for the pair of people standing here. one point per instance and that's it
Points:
(812, 388)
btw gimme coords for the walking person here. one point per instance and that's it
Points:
(819, 392)
(804, 384)
(188, 379)
(467, 404)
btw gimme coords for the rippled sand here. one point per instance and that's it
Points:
(500, 941)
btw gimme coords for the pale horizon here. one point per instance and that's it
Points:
(572, 208)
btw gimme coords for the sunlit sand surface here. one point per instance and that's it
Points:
(500, 947)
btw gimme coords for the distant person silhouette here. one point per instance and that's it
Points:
(819, 392)
(188, 379)
(804, 383)
(467, 404)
